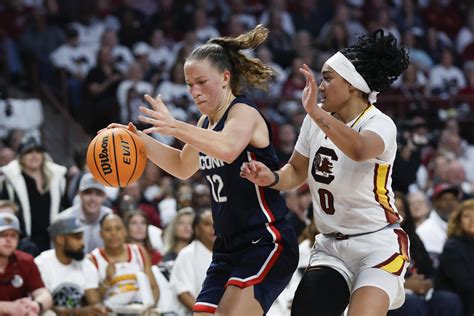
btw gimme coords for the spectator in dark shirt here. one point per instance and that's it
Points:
(456, 268)
(101, 84)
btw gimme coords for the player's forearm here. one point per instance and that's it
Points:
(345, 138)
(214, 144)
(166, 157)
(289, 178)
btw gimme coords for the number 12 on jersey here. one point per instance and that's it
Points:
(216, 188)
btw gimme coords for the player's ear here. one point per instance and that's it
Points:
(226, 78)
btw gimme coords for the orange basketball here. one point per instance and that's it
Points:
(116, 157)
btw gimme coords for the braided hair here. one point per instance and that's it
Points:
(224, 54)
(378, 59)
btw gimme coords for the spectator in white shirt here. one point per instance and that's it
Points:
(433, 231)
(90, 31)
(66, 274)
(129, 93)
(122, 55)
(76, 60)
(90, 211)
(160, 53)
(446, 79)
(204, 30)
(189, 270)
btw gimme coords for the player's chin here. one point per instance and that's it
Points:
(325, 106)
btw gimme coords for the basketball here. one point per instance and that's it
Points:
(116, 157)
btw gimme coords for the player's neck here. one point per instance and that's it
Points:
(226, 100)
(351, 111)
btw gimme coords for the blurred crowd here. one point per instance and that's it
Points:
(100, 57)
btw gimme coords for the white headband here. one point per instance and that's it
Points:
(347, 70)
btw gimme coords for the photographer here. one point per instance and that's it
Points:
(414, 140)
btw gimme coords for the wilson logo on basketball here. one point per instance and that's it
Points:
(104, 156)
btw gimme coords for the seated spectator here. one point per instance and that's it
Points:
(201, 197)
(24, 244)
(433, 232)
(123, 270)
(76, 60)
(141, 51)
(151, 183)
(64, 272)
(121, 55)
(343, 15)
(101, 86)
(138, 233)
(420, 299)
(446, 79)
(184, 195)
(204, 30)
(131, 198)
(418, 56)
(419, 206)
(7, 155)
(467, 93)
(176, 94)
(279, 41)
(37, 43)
(465, 35)
(457, 177)
(38, 186)
(335, 38)
(287, 140)
(130, 92)
(160, 53)
(456, 268)
(189, 270)
(178, 234)
(22, 292)
(90, 211)
(266, 56)
(89, 28)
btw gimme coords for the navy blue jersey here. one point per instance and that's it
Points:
(238, 205)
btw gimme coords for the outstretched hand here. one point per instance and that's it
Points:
(256, 172)
(160, 117)
(310, 91)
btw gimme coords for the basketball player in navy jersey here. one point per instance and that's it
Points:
(256, 251)
(345, 150)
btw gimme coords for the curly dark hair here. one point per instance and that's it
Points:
(224, 54)
(378, 59)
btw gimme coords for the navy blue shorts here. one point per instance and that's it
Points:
(266, 261)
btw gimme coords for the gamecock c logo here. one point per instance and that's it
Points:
(322, 165)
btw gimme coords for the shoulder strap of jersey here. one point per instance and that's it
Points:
(245, 100)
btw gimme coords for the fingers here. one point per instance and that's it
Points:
(146, 119)
(132, 127)
(150, 130)
(157, 104)
(250, 168)
(244, 170)
(306, 71)
(147, 111)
